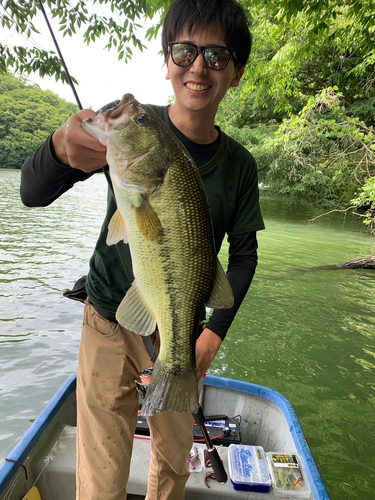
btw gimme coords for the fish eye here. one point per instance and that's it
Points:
(143, 119)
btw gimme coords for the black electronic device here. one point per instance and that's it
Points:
(220, 428)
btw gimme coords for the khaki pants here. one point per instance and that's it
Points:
(110, 360)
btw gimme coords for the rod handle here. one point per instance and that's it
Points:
(199, 417)
(217, 465)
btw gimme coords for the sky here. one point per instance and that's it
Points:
(101, 77)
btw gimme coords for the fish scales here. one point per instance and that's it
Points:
(164, 216)
(176, 274)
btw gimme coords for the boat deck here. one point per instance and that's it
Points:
(268, 420)
(58, 479)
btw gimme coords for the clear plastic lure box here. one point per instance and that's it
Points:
(195, 461)
(248, 468)
(287, 476)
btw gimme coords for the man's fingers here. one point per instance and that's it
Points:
(75, 147)
(88, 158)
(75, 134)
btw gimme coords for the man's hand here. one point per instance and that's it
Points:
(75, 147)
(206, 348)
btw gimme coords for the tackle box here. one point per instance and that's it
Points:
(248, 470)
(287, 476)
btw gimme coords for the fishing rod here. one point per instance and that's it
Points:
(70, 81)
(217, 465)
(60, 56)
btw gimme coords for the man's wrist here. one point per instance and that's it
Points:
(57, 151)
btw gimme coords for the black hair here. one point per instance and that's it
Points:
(228, 14)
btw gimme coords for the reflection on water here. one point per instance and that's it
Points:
(306, 328)
(42, 253)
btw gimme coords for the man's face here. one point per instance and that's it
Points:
(197, 87)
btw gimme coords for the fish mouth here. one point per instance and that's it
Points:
(97, 122)
(119, 114)
(115, 118)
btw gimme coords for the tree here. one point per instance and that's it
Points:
(302, 47)
(366, 198)
(118, 26)
(326, 157)
(28, 116)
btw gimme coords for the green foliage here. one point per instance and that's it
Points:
(366, 200)
(322, 155)
(118, 25)
(364, 109)
(302, 47)
(29, 115)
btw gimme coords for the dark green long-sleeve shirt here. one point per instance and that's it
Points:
(231, 182)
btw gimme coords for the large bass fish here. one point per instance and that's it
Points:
(164, 216)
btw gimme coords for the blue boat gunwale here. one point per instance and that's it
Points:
(24, 446)
(27, 442)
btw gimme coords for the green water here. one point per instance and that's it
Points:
(305, 329)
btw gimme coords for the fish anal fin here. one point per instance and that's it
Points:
(148, 222)
(116, 229)
(133, 313)
(221, 295)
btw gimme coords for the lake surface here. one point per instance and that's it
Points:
(306, 329)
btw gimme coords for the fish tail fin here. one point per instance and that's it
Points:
(171, 392)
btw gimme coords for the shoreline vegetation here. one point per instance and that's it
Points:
(322, 156)
(305, 107)
(29, 116)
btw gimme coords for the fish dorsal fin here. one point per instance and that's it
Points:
(148, 222)
(116, 229)
(221, 295)
(133, 313)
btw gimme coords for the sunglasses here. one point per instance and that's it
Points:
(214, 56)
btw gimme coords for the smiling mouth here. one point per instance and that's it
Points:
(197, 86)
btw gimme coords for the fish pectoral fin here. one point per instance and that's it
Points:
(148, 222)
(116, 230)
(133, 313)
(221, 295)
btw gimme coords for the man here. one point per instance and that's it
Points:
(206, 47)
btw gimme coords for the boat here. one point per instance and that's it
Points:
(243, 416)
